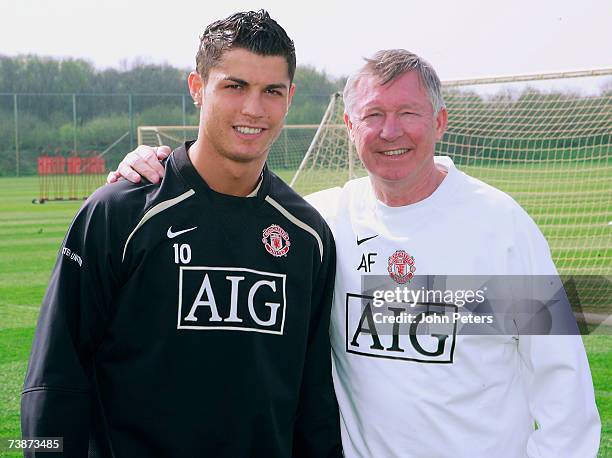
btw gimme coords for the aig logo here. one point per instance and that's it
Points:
(412, 339)
(231, 298)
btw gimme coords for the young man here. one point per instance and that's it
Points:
(421, 394)
(227, 352)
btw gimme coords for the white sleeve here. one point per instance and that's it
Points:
(560, 396)
(555, 371)
(326, 203)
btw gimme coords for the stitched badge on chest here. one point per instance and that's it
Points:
(401, 267)
(276, 240)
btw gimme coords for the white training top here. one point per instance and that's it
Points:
(464, 395)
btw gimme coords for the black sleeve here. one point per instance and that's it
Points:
(317, 428)
(56, 399)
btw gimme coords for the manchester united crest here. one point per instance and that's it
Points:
(401, 267)
(276, 240)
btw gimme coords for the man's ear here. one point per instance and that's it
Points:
(441, 122)
(195, 83)
(349, 125)
(290, 95)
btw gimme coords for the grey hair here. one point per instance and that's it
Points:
(388, 65)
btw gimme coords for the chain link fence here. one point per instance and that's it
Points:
(32, 125)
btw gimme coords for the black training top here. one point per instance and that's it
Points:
(182, 322)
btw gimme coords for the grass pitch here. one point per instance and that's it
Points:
(30, 236)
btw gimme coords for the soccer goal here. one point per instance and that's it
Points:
(546, 145)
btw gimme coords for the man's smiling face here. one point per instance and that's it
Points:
(394, 128)
(244, 103)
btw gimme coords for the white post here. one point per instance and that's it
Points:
(316, 137)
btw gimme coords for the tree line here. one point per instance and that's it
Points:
(56, 95)
(63, 102)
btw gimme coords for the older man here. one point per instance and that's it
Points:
(425, 395)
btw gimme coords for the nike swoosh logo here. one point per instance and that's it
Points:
(171, 234)
(359, 242)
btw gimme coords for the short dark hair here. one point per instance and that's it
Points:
(254, 31)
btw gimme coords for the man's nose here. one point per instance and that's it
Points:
(253, 106)
(391, 129)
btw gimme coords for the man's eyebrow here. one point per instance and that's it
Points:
(246, 83)
(411, 106)
(236, 80)
(370, 107)
(277, 86)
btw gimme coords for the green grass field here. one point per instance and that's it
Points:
(30, 236)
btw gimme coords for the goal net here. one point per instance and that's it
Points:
(544, 144)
